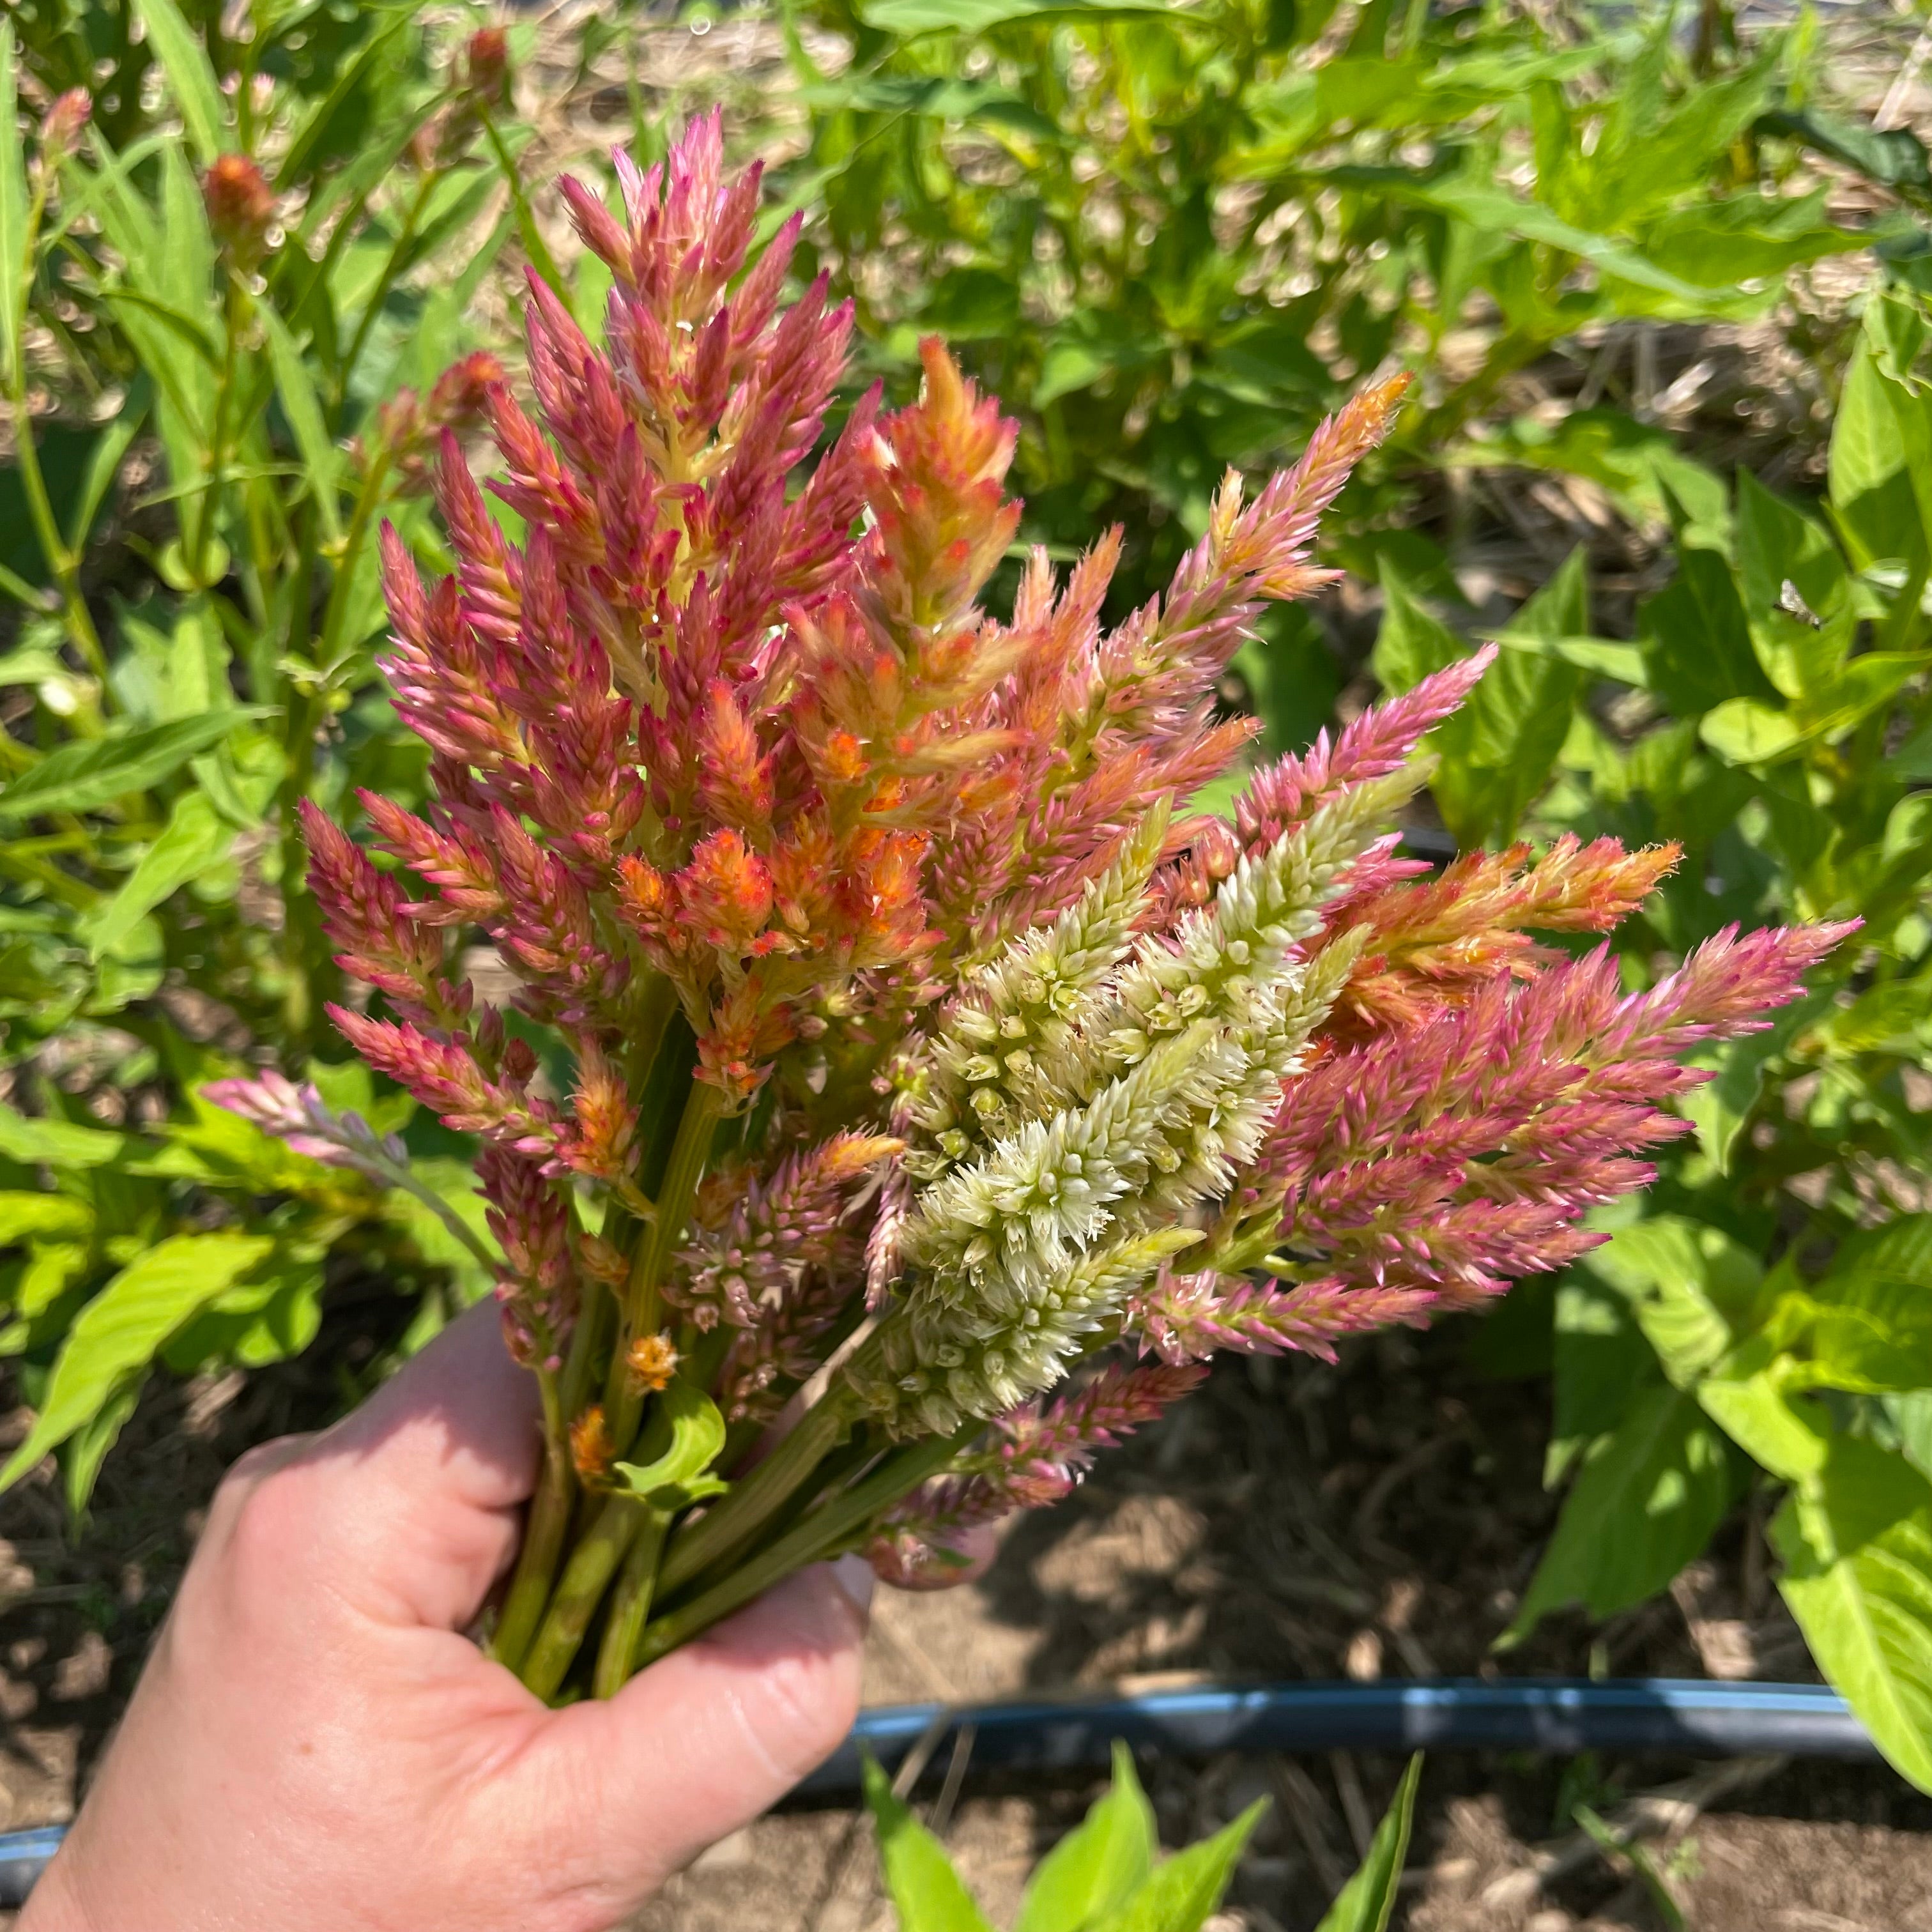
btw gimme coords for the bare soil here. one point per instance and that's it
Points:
(1294, 1520)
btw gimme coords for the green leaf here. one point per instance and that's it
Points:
(104, 466)
(1696, 637)
(1752, 1400)
(51, 1270)
(1911, 1416)
(1367, 1902)
(15, 272)
(195, 838)
(191, 76)
(1601, 1361)
(1491, 210)
(22, 1214)
(1096, 1868)
(1644, 1504)
(56, 1143)
(1411, 644)
(453, 1183)
(346, 102)
(1643, 469)
(1692, 1288)
(1720, 1108)
(1871, 480)
(1778, 544)
(117, 1334)
(1873, 1332)
(1176, 1896)
(1857, 1546)
(87, 1448)
(92, 773)
(1744, 731)
(1497, 752)
(927, 1894)
(1893, 156)
(686, 1421)
(273, 1315)
(975, 16)
(297, 389)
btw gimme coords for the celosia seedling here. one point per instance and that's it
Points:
(946, 1090)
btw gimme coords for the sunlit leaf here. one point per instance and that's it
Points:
(118, 1333)
(1367, 1901)
(1096, 1868)
(1857, 1545)
(197, 93)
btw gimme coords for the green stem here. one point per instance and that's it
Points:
(587, 1346)
(704, 1105)
(63, 563)
(405, 240)
(305, 952)
(822, 1533)
(232, 316)
(586, 1575)
(631, 1607)
(543, 1536)
(301, 919)
(531, 235)
(357, 534)
(751, 1503)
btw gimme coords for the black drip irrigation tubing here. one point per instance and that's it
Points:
(1561, 1716)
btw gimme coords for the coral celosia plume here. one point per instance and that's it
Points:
(927, 1046)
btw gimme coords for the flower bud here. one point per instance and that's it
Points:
(461, 396)
(60, 132)
(240, 207)
(486, 63)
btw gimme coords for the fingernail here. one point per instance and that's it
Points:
(853, 1576)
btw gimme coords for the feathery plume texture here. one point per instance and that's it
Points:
(939, 1092)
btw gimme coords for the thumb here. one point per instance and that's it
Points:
(713, 1735)
(424, 1480)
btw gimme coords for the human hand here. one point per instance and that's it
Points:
(314, 1744)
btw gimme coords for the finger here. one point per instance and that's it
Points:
(416, 1495)
(716, 1733)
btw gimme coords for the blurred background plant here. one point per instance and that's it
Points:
(1768, 1303)
(224, 363)
(1171, 238)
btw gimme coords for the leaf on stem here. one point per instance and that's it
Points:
(297, 389)
(118, 1333)
(1857, 1544)
(1663, 1477)
(1365, 1903)
(195, 838)
(687, 1421)
(86, 775)
(14, 268)
(191, 76)
(928, 1895)
(1098, 1868)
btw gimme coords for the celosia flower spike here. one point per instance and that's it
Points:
(929, 1056)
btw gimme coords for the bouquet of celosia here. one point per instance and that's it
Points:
(944, 1093)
